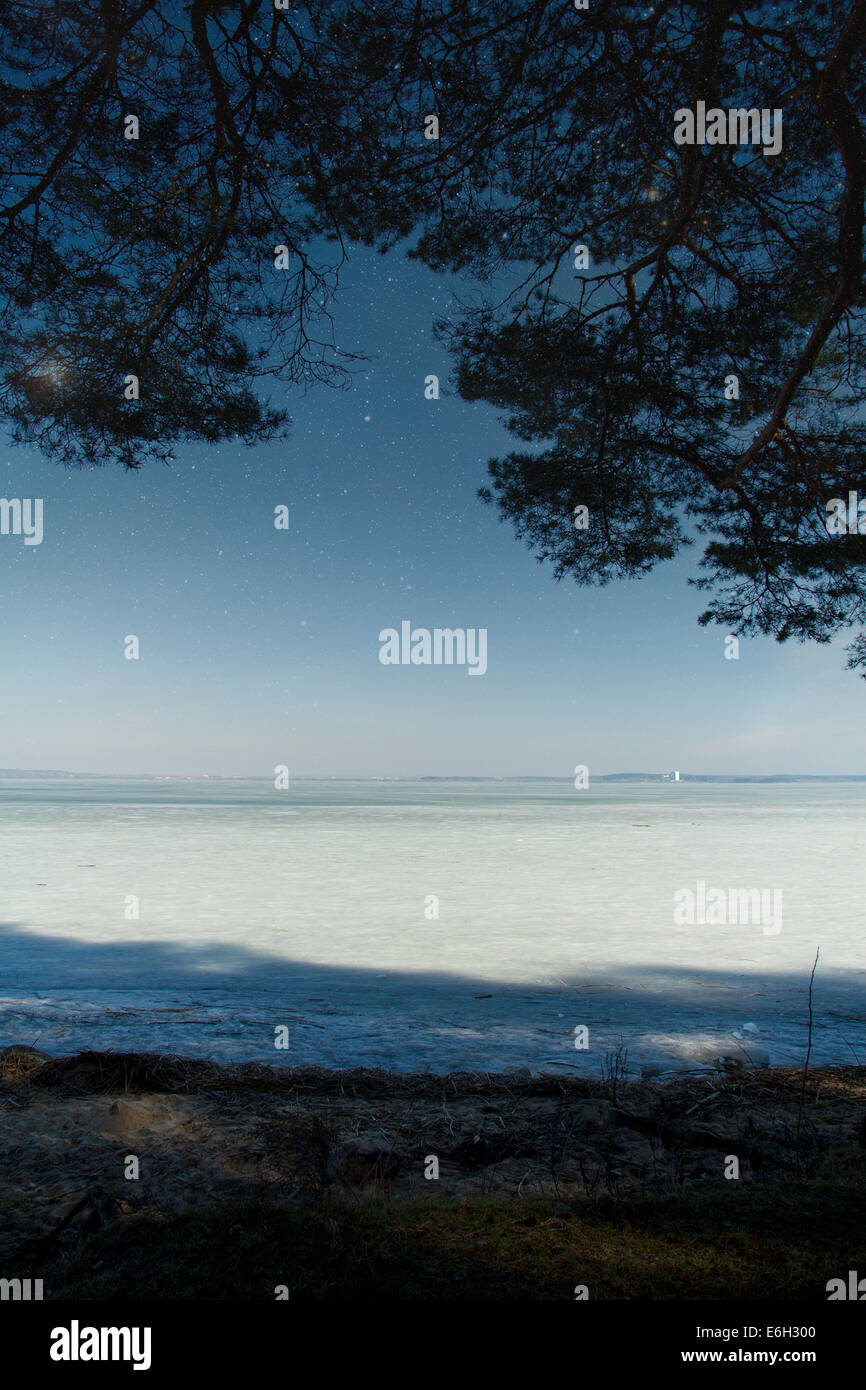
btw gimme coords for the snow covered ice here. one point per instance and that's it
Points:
(306, 908)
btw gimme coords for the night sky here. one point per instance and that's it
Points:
(260, 647)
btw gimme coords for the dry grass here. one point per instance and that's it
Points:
(544, 1182)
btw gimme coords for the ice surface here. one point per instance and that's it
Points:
(306, 908)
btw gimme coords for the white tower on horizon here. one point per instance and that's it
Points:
(676, 776)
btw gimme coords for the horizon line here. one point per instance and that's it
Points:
(54, 773)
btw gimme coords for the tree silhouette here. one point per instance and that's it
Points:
(155, 257)
(698, 373)
(704, 375)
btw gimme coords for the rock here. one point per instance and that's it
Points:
(594, 1113)
(360, 1161)
(158, 1115)
(728, 1062)
(128, 1117)
(737, 1058)
(80, 1217)
(481, 1150)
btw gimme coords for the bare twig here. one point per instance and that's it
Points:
(808, 1052)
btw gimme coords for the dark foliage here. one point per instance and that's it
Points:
(303, 128)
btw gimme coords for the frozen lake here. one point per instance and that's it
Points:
(198, 917)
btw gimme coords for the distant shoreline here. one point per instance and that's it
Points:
(661, 778)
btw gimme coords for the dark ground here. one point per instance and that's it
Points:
(256, 1177)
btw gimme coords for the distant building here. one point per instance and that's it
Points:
(676, 776)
